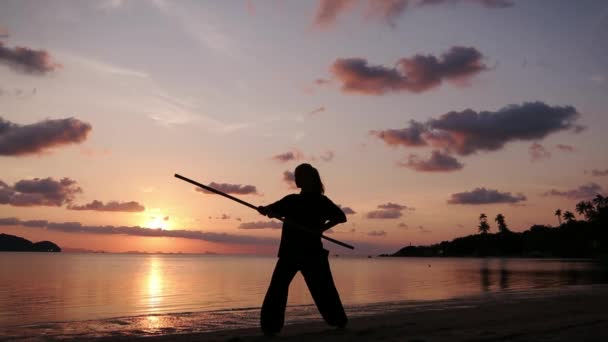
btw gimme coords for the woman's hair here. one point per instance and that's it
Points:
(308, 179)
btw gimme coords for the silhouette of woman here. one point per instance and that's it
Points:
(303, 251)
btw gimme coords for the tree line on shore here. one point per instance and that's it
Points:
(571, 238)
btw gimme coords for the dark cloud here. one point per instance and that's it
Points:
(9, 221)
(327, 156)
(347, 210)
(387, 211)
(423, 230)
(416, 74)
(599, 173)
(438, 162)
(39, 192)
(468, 131)
(585, 191)
(538, 152)
(237, 189)
(35, 223)
(288, 156)
(16, 140)
(261, 225)
(384, 214)
(77, 227)
(328, 11)
(26, 60)
(409, 136)
(377, 233)
(96, 205)
(392, 206)
(485, 196)
(565, 148)
(290, 179)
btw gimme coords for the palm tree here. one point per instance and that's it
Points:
(568, 216)
(484, 227)
(558, 213)
(600, 201)
(502, 225)
(585, 208)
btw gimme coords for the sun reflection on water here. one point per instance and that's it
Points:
(154, 284)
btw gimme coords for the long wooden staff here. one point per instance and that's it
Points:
(291, 223)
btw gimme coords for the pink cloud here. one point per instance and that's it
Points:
(26, 60)
(414, 74)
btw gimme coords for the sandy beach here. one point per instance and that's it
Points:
(575, 313)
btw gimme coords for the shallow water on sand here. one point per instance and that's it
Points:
(149, 294)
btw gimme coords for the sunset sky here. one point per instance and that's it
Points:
(419, 115)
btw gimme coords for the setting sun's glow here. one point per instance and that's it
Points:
(157, 222)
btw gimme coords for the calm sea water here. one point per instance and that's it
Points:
(48, 291)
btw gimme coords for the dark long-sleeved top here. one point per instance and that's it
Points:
(308, 209)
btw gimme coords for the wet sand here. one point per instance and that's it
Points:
(578, 313)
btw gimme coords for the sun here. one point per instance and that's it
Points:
(157, 222)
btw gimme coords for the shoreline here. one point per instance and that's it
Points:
(569, 313)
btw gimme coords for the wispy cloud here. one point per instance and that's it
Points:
(110, 4)
(168, 110)
(199, 24)
(317, 111)
(238, 189)
(538, 152)
(114, 206)
(598, 173)
(377, 233)
(565, 148)
(77, 227)
(261, 225)
(104, 67)
(388, 10)
(599, 79)
(585, 191)
(328, 11)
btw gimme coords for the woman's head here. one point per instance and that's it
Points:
(308, 179)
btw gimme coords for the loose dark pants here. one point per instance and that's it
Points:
(318, 278)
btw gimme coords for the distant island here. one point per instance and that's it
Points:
(12, 243)
(572, 238)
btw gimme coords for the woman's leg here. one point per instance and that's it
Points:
(273, 309)
(317, 275)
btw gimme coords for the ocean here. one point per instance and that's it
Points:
(89, 295)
